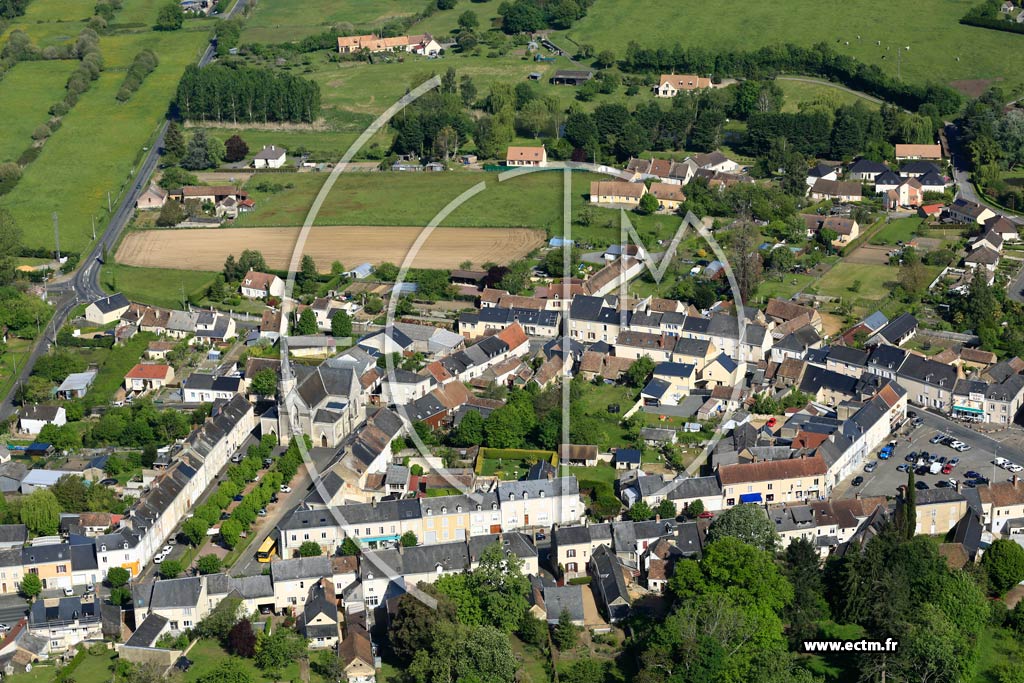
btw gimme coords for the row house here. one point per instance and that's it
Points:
(388, 574)
(536, 323)
(514, 505)
(774, 481)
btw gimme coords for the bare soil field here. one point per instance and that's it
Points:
(206, 248)
(870, 254)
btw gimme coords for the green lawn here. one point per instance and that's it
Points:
(26, 93)
(900, 230)
(155, 286)
(783, 286)
(607, 430)
(963, 52)
(208, 655)
(413, 199)
(876, 282)
(321, 145)
(100, 141)
(997, 646)
(800, 92)
(279, 21)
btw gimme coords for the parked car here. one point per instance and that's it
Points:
(4, 628)
(858, 480)
(932, 458)
(961, 447)
(166, 549)
(971, 474)
(920, 486)
(910, 457)
(939, 436)
(954, 461)
(922, 470)
(947, 468)
(706, 515)
(158, 559)
(90, 588)
(943, 484)
(771, 423)
(239, 498)
(262, 512)
(539, 536)
(941, 460)
(870, 467)
(911, 414)
(285, 488)
(903, 468)
(68, 590)
(935, 468)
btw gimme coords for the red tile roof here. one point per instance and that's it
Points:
(772, 470)
(149, 371)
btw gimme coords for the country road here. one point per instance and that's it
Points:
(84, 286)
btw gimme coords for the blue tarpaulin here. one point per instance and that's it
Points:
(750, 497)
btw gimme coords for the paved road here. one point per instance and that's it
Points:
(84, 286)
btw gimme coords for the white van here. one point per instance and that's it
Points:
(936, 467)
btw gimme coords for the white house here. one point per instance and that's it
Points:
(34, 417)
(257, 285)
(106, 310)
(269, 157)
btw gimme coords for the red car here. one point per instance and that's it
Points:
(947, 468)
(706, 515)
(771, 423)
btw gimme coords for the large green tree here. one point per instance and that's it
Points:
(746, 522)
(40, 512)
(1004, 564)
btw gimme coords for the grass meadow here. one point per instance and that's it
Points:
(413, 199)
(278, 21)
(100, 141)
(155, 286)
(26, 93)
(802, 92)
(940, 47)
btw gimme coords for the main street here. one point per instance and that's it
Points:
(84, 286)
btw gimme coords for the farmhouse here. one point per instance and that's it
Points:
(108, 309)
(670, 85)
(715, 161)
(1004, 227)
(526, 156)
(847, 229)
(423, 44)
(256, 285)
(616, 192)
(153, 198)
(669, 196)
(918, 152)
(269, 157)
(208, 193)
(821, 172)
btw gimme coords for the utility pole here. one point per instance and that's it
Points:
(94, 228)
(108, 201)
(56, 234)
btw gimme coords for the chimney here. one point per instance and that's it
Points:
(657, 518)
(1015, 481)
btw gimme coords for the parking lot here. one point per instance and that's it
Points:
(886, 479)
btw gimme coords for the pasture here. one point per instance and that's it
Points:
(962, 52)
(206, 249)
(26, 93)
(805, 92)
(533, 200)
(155, 286)
(99, 143)
(278, 21)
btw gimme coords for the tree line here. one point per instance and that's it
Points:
(988, 15)
(143, 65)
(818, 60)
(992, 138)
(238, 93)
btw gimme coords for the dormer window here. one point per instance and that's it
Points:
(438, 568)
(103, 548)
(444, 510)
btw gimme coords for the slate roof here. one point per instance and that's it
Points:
(172, 593)
(558, 599)
(301, 568)
(112, 303)
(147, 632)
